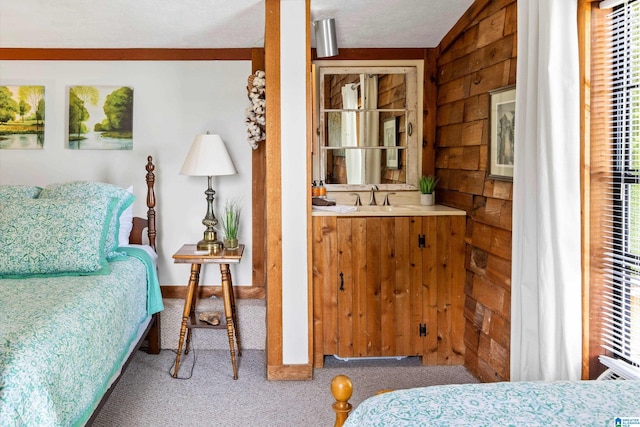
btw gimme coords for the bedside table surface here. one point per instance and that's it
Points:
(186, 254)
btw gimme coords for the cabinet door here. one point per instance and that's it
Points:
(348, 253)
(389, 286)
(374, 308)
(325, 266)
(404, 334)
(441, 254)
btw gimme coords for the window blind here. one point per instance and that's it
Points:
(619, 154)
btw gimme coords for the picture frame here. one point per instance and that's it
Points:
(390, 139)
(100, 117)
(502, 143)
(23, 117)
(334, 132)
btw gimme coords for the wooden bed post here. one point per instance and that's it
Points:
(342, 389)
(151, 202)
(139, 224)
(153, 337)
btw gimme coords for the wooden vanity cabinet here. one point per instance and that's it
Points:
(389, 286)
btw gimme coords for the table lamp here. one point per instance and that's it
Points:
(208, 157)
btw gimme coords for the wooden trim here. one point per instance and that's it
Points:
(597, 129)
(290, 372)
(310, 133)
(584, 47)
(258, 195)
(273, 181)
(234, 54)
(255, 55)
(429, 111)
(371, 54)
(463, 23)
(244, 292)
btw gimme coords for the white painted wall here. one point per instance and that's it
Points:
(293, 25)
(173, 101)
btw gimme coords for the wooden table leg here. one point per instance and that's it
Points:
(234, 313)
(194, 304)
(188, 306)
(229, 313)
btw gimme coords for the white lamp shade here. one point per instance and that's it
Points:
(208, 156)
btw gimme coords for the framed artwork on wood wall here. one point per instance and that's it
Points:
(390, 139)
(502, 110)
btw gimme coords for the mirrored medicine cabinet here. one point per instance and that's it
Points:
(367, 127)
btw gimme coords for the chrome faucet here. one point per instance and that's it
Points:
(386, 201)
(372, 197)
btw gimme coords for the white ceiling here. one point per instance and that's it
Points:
(216, 23)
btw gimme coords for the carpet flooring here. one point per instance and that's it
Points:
(147, 395)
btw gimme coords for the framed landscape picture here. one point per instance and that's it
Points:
(21, 117)
(100, 118)
(390, 133)
(502, 112)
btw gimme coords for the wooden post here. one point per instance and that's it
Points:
(341, 389)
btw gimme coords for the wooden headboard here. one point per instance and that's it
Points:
(139, 224)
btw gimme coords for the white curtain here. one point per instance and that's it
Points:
(371, 132)
(546, 333)
(353, 158)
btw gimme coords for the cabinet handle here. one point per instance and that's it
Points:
(342, 282)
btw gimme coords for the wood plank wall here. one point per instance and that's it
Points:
(477, 56)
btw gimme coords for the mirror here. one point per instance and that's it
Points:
(367, 126)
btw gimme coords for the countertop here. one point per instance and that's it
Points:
(393, 210)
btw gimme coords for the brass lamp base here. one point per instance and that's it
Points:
(212, 246)
(210, 243)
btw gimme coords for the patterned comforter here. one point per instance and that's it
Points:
(63, 338)
(582, 403)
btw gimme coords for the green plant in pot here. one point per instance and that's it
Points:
(230, 222)
(427, 184)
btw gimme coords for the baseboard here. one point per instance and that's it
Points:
(290, 372)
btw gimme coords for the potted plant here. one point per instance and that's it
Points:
(427, 186)
(230, 221)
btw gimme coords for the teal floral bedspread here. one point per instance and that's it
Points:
(583, 403)
(62, 339)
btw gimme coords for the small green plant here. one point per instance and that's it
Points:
(230, 219)
(427, 184)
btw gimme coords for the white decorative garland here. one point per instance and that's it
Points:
(255, 113)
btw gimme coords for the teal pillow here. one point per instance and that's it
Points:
(87, 190)
(8, 192)
(53, 237)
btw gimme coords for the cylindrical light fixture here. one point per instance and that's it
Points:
(326, 44)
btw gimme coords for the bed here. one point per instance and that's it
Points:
(563, 403)
(79, 294)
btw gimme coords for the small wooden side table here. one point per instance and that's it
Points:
(187, 255)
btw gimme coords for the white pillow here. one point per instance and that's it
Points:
(126, 223)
